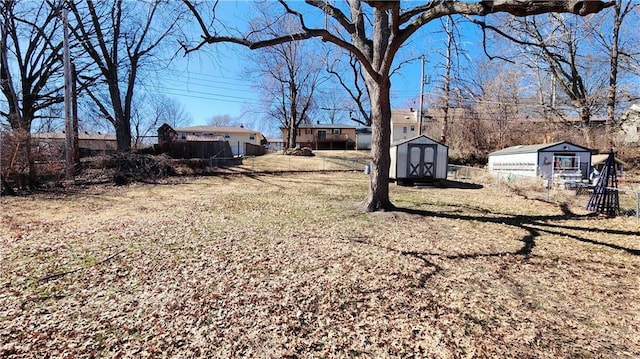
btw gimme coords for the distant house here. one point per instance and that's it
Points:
(559, 162)
(89, 143)
(324, 136)
(629, 132)
(241, 139)
(275, 144)
(404, 125)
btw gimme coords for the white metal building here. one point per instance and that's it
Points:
(419, 159)
(363, 138)
(556, 162)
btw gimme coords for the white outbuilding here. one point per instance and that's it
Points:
(559, 162)
(419, 159)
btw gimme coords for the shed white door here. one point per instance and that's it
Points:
(421, 160)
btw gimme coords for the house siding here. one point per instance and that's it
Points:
(540, 161)
(235, 136)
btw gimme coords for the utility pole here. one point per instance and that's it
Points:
(421, 96)
(447, 81)
(74, 114)
(69, 143)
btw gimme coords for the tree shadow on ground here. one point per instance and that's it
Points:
(535, 225)
(449, 184)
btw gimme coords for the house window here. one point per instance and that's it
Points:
(227, 135)
(297, 132)
(413, 128)
(336, 131)
(566, 162)
(308, 131)
(404, 129)
(322, 134)
(252, 137)
(183, 136)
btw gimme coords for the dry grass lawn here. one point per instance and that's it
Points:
(286, 266)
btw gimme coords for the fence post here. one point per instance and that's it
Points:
(638, 205)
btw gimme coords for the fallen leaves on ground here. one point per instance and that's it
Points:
(286, 266)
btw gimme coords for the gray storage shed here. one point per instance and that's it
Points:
(419, 159)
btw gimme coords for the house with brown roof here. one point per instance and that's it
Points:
(324, 136)
(89, 143)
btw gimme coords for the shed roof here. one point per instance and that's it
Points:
(602, 158)
(398, 143)
(531, 148)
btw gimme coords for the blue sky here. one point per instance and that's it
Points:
(211, 82)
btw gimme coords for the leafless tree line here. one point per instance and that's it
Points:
(112, 45)
(373, 32)
(553, 65)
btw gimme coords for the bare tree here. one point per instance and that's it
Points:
(335, 105)
(374, 31)
(619, 54)
(354, 85)
(150, 111)
(222, 121)
(561, 49)
(498, 105)
(170, 111)
(451, 57)
(289, 75)
(30, 66)
(119, 37)
(563, 53)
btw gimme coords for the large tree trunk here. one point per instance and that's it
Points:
(122, 115)
(24, 135)
(585, 117)
(613, 76)
(123, 134)
(291, 141)
(378, 196)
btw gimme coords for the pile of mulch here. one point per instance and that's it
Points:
(304, 151)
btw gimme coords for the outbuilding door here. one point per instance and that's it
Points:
(421, 160)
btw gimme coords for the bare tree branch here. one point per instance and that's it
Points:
(389, 30)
